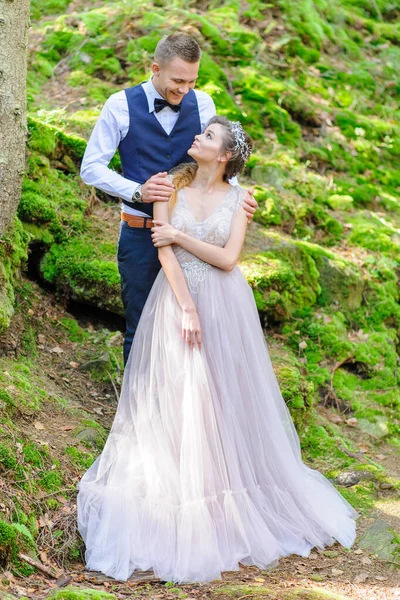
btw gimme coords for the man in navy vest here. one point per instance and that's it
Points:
(152, 125)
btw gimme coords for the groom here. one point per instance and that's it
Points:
(152, 125)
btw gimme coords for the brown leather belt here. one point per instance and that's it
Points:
(133, 221)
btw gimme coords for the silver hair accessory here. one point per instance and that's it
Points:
(240, 140)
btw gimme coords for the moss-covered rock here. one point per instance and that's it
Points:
(291, 275)
(79, 270)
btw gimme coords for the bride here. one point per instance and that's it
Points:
(202, 469)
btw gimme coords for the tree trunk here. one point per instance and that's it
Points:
(14, 25)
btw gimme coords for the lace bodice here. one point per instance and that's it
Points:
(215, 229)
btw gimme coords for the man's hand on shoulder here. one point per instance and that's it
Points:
(250, 205)
(157, 189)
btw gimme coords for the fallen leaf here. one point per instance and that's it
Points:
(381, 456)
(67, 427)
(337, 572)
(358, 551)
(43, 557)
(259, 579)
(335, 418)
(352, 422)
(74, 364)
(38, 425)
(41, 338)
(56, 350)
(313, 556)
(361, 577)
(364, 448)
(366, 561)
(380, 578)
(303, 345)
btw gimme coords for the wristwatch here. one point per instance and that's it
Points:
(137, 194)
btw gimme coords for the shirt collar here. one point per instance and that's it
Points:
(151, 93)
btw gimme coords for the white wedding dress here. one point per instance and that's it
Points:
(202, 468)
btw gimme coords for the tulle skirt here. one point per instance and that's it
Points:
(202, 468)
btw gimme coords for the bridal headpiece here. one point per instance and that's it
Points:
(240, 140)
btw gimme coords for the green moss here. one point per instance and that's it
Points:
(51, 481)
(80, 460)
(34, 454)
(74, 331)
(7, 458)
(79, 593)
(8, 545)
(77, 268)
(13, 253)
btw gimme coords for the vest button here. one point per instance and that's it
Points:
(167, 156)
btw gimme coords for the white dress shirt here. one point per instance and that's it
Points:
(112, 126)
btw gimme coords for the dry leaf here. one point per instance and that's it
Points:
(67, 427)
(364, 448)
(259, 579)
(41, 338)
(43, 557)
(74, 364)
(352, 422)
(313, 556)
(335, 418)
(303, 345)
(381, 456)
(337, 572)
(361, 578)
(366, 561)
(38, 425)
(380, 578)
(56, 350)
(358, 551)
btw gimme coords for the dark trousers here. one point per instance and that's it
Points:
(138, 266)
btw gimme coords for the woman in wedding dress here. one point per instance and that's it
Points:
(202, 469)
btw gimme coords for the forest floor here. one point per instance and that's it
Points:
(356, 574)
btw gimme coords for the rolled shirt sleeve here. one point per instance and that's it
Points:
(111, 127)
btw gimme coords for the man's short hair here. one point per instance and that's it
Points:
(178, 45)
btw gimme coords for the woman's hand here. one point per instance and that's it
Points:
(163, 234)
(191, 330)
(250, 205)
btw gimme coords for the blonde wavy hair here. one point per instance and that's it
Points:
(181, 176)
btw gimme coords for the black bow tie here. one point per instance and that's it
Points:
(160, 103)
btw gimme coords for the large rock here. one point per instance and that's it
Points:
(287, 275)
(377, 428)
(379, 539)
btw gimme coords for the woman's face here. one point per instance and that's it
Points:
(207, 147)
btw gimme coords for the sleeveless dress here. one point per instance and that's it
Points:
(202, 467)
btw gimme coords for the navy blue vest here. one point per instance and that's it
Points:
(147, 148)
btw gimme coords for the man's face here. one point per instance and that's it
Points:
(175, 79)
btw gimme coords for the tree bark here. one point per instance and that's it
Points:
(14, 25)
